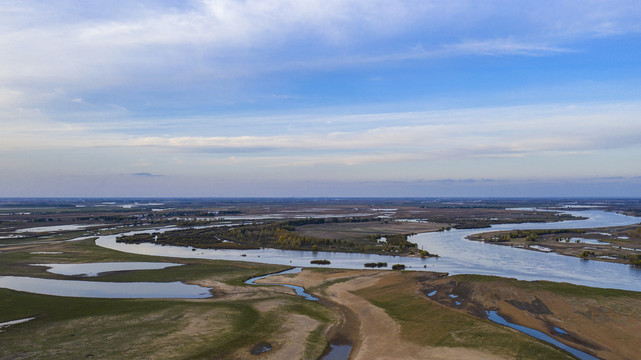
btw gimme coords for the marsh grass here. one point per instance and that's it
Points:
(69, 327)
(564, 289)
(427, 323)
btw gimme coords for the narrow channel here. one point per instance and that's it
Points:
(495, 317)
(300, 291)
(336, 351)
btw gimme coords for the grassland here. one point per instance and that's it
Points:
(602, 322)
(428, 324)
(381, 313)
(224, 327)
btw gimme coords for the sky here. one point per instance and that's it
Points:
(298, 98)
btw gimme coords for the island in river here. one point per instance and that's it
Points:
(621, 244)
(382, 235)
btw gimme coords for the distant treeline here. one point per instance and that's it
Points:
(480, 223)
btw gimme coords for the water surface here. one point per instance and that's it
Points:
(300, 291)
(457, 255)
(97, 289)
(493, 316)
(55, 228)
(94, 269)
(338, 352)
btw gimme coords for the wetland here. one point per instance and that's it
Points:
(436, 308)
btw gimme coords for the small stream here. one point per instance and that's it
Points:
(300, 291)
(493, 316)
(336, 351)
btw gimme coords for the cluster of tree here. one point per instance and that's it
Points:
(479, 223)
(531, 235)
(396, 242)
(191, 237)
(228, 212)
(425, 253)
(44, 220)
(635, 260)
(398, 267)
(376, 265)
(587, 254)
(320, 262)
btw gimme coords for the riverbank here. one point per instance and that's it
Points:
(227, 325)
(382, 313)
(619, 244)
(414, 315)
(605, 323)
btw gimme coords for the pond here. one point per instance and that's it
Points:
(98, 289)
(457, 255)
(95, 269)
(578, 240)
(55, 228)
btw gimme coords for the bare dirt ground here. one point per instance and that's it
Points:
(378, 336)
(291, 341)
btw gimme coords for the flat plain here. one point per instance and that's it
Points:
(379, 314)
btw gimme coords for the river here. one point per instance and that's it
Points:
(457, 255)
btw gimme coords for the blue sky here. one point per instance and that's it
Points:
(320, 98)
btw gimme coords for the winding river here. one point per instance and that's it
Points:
(457, 255)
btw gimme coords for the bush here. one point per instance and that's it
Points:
(586, 254)
(320, 262)
(425, 254)
(376, 265)
(635, 260)
(398, 267)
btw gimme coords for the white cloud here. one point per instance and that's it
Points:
(526, 132)
(58, 45)
(504, 46)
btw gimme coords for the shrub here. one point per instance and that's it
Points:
(376, 265)
(635, 260)
(320, 262)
